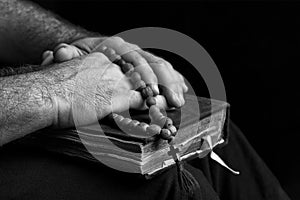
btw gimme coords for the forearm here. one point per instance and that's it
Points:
(26, 30)
(25, 105)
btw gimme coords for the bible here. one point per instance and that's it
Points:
(201, 123)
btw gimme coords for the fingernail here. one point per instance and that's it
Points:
(61, 45)
(48, 60)
(59, 54)
(155, 89)
(46, 54)
(177, 100)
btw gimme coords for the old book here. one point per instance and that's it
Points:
(201, 123)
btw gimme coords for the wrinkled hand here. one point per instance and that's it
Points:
(89, 87)
(154, 70)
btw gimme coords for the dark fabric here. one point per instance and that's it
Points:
(26, 173)
(255, 181)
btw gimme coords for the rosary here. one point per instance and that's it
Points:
(160, 125)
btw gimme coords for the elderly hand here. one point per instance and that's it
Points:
(89, 87)
(154, 70)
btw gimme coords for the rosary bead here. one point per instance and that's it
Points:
(153, 129)
(158, 120)
(133, 124)
(124, 124)
(126, 121)
(127, 67)
(171, 138)
(165, 134)
(135, 77)
(168, 122)
(150, 101)
(147, 92)
(143, 126)
(118, 118)
(173, 130)
(120, 62)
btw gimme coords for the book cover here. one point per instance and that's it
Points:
(201, 124)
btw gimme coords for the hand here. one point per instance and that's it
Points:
(87, 85)
(152, 68)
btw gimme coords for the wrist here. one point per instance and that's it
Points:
(41, 94)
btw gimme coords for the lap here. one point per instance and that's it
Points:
(26, 173)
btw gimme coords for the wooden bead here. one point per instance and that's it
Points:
(120, 62)
(143, 126)
(125, 121)
(133, 123)
(153, 129)
(171, 138)
(124, 124)
(135, 77)
(117, 60)
(165, 134)
(150, 101)
(127, 67)
(118, 118)
(147, 92)
(173, 130)
(168, 122)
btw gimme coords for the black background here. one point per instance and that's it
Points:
(256, 48)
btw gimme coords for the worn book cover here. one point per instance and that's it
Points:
(201, 124)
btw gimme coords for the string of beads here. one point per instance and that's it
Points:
(160, 125)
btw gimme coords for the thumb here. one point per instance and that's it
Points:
(131, 99)
(161, 102)
(64, 52)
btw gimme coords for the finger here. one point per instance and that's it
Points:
(168, 77)
(46, 54)
(141, 66)
(184, 86)
(172, 98)
(136, 101)
(129, 100)
(65, 52)
(161, 102)
(127, 51)
(168, 83)
(47, 58)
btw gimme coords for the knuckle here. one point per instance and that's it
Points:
(161, 62)
(100, 57)
(117, 39)
(134, 46)
(169, 65)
